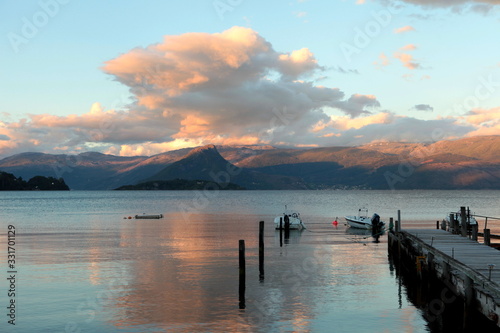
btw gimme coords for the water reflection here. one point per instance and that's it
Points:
(186, 275)
(183, 277)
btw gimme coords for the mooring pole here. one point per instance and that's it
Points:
(287, 227)
(261, 250)
(281, 231)
(242, 273)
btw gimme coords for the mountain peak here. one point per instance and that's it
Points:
(199, 164)
(203, 149)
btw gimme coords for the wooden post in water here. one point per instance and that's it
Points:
(463, 221)
(437, 225)
(242, 273)
(261, 250)
(486, 237)
(287, 228)
(281, 231)
(391, 224)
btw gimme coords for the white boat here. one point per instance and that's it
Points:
(362, 221)
(293, 217)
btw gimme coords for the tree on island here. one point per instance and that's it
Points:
(9, 182)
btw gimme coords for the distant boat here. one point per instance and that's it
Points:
(152, 217)
(293, 217)
(362, 221)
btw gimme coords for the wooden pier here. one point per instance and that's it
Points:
(469, 270)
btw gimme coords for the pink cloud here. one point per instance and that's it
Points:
(383, 60)
(483, 117)
(407, 60)
(409, 47)
(404, 29)
(197, 88)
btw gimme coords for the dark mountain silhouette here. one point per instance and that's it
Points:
(205, 163)
(200, 163)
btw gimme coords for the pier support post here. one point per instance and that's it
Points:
(469, 296)
(242, 273)
(474, 232)
(486, 237)
(463, 221)
(261, 250)
(453, 224)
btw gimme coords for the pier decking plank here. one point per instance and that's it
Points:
(470, 253)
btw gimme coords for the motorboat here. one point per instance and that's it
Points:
(293, 218)
(362, 221)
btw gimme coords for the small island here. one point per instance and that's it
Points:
(9, 182)
(179, 184)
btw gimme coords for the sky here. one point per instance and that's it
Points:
(144, 77)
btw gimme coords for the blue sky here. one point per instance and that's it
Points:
(392, 71)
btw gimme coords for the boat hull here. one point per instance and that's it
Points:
(359, 224)
(295, 223)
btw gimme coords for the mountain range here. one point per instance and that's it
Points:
(470, 163)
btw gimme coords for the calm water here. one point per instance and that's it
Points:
(82, 267)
